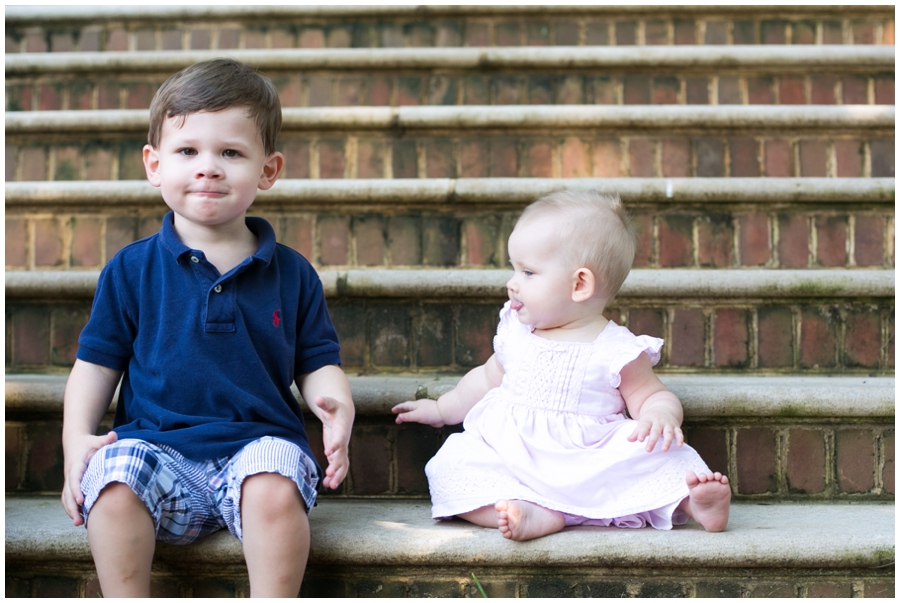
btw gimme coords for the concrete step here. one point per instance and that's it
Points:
(705, 397)
(364, 548)
(476, 284)
(560, 141)
(778, 438)
(646, 59)
(119, 28)
(790, 321)
(493, 193)
(714, 75)
(532, 118)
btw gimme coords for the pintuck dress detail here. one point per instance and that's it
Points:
(555, 432)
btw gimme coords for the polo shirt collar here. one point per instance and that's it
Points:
(265, 249)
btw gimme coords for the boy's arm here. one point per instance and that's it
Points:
(657, 410)
(452, 407)
(89, 391)
(327, 393)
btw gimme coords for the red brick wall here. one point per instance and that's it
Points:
(603, 27)
(453, 582)
(747, 236)
(770, 459)
(126, 91)
(562, 155)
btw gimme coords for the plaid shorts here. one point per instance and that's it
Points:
(186, 499)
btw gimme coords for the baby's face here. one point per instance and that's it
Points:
(541, 287)
(209, 165)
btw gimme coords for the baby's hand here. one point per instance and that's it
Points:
(77, 455)
(656, 422)
(337, 421)
(419, 411)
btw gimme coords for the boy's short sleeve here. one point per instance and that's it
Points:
(108, 338)
(317, 340)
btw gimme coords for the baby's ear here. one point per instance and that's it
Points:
(584, 284)
(271, 169)
(151, 165)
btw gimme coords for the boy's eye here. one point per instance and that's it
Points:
(187, 151)
(231, 153)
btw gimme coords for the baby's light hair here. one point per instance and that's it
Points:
(596, 229)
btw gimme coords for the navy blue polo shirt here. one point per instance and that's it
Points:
(209, 359)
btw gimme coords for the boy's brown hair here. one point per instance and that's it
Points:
(597, 230)
(213, 86)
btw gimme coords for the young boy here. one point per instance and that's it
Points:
(207, 323)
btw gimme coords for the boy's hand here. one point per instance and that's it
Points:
(77, 456)
(337, 421)
(419, 411)
(656, 422)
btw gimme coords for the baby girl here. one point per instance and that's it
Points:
(547, 441)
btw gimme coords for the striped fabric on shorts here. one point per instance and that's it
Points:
(186, 499)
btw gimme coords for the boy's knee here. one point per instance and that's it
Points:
(118, 505)
(117, 498)
(270, 495)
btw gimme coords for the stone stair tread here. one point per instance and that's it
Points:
(465, 283)
(301, 192)
(722, 395)
(401, 533)
(782, 118)
(734, 57)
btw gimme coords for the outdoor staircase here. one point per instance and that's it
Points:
(753, 146)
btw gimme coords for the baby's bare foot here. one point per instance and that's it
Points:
(709, 500)
(522, 520)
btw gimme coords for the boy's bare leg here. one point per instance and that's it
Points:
(122, 540)
(275, 530)
(709, 501)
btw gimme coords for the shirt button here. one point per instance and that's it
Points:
(195, 259)
(217, 288)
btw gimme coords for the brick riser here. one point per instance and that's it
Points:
(345, 90)
(811, 336)
(725, 236)
(526, 155)
(844, 459)
(503, 26)
(79, 580)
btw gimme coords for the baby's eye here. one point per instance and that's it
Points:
(187, 151)
(231, 153)
(527, 272)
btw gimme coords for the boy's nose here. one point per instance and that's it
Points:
(209, 168)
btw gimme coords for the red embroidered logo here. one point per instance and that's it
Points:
(276, 318)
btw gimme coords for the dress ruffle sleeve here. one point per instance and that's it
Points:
(627, 348)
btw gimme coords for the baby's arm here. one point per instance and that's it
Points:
(452, 407)
(327, 393)
(89, 391)
(657, 410)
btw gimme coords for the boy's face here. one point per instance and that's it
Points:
(210, 165)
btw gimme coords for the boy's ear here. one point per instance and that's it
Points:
(272, 167)
(583, 285)
(151, 165)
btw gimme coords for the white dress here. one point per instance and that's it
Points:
(555, 433)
